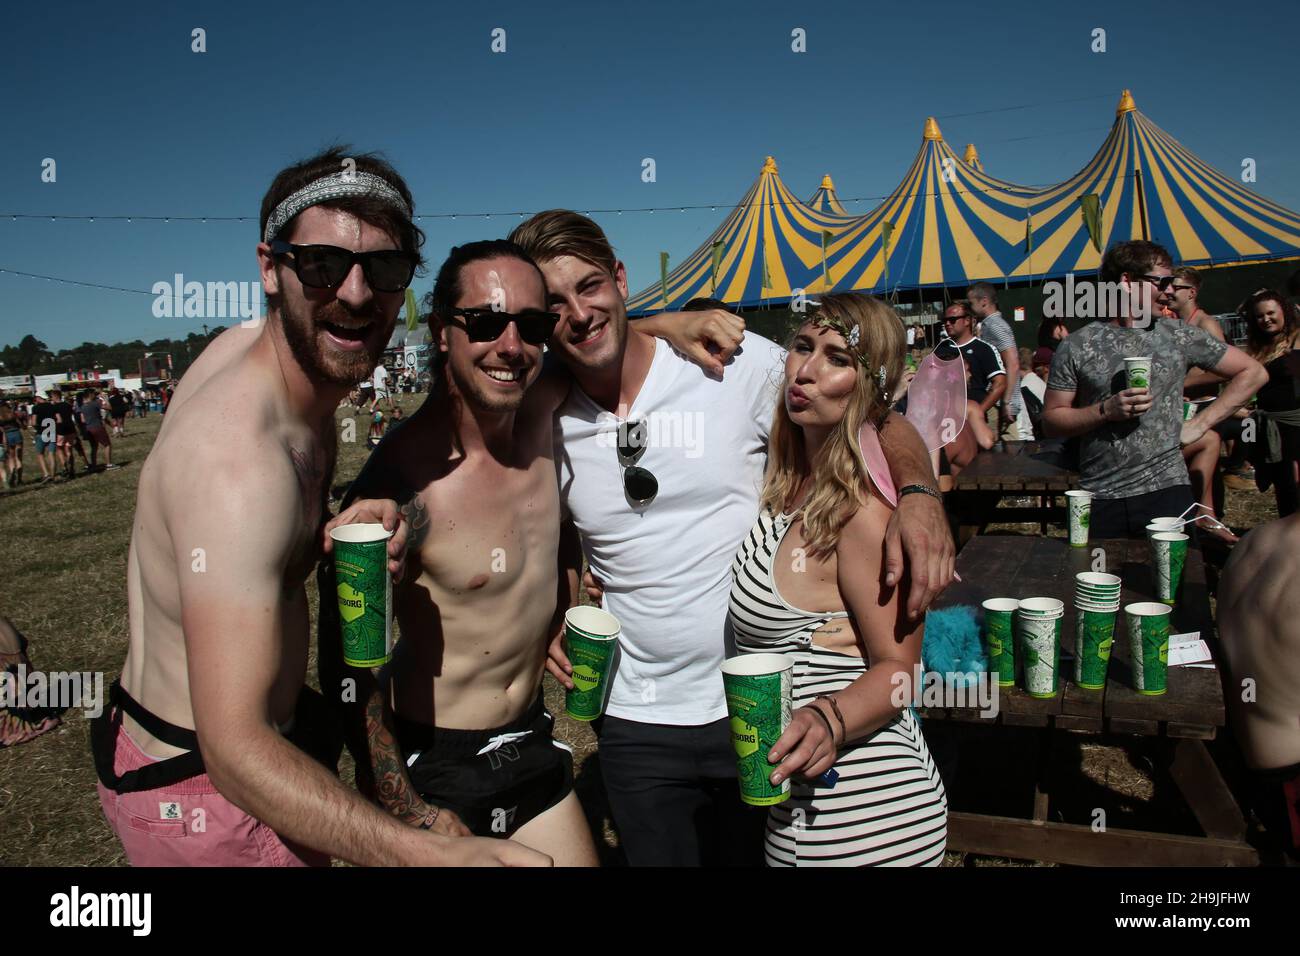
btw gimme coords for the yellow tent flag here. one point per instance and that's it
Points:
(412, 311)
(1029, 234)
(826, 273)
(767, 274)
(717, 261)
(1091, 206)
(886, 233)
(663, 276)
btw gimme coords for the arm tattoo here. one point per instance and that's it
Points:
(392, 785)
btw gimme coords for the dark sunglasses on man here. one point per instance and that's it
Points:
(325, 267)
(640, 485)
(1160, 282)
(487, 325)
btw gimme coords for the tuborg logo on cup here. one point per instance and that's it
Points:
(352, 603)
(744, 736)
(584, 677)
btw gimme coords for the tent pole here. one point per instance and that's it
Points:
(1142, 203)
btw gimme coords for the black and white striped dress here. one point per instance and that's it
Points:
(888, 807)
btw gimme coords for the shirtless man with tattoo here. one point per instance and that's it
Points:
(206, 755)
(491, 573)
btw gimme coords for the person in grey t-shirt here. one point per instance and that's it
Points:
(1130, 453)
(996, 332)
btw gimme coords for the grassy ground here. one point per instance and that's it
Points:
(63, 564)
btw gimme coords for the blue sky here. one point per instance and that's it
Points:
(139, 124)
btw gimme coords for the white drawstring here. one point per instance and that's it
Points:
(500, 740)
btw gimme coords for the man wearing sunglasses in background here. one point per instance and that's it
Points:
(660, 470)
(1131, 439)
(213, 751)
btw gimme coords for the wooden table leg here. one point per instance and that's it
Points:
(1043, 778)
(1198, 779)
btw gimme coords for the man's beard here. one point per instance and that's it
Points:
(321, 362)
(476, 393)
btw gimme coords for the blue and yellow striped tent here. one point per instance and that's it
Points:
(770, 245)
(825, 200)
(948, 223)
(1149, 186)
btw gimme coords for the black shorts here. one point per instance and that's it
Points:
(498, 791)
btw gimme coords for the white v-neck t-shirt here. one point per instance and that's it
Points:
(666, 565)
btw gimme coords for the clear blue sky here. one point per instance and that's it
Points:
(138, 124)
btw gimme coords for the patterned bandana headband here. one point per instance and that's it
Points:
(338, 185)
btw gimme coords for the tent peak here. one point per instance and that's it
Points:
(1126, 104)
(932, 130)
(972, 155)
(826, 182)
(769, 165)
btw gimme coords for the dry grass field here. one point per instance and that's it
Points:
(63, 568)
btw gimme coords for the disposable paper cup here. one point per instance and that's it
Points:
(1189, 411)
(1148, 634)
(1080, 512)
(1168, 555)
(1041, 607)
(1099, 580)
(759, 688)
(1000, 638)
(590, 642)
(1039, 638)
(1138, 371)
(1096, 605)
(1163, 524)
(1094, 634)
(365, 593)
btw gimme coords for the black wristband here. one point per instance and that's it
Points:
(919, 490)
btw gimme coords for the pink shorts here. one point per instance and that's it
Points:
(190, 824)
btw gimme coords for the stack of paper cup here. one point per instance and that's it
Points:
(1148, 634)
(1096, 599)
(1080, 513)
(1168, 554)
(1038, 632)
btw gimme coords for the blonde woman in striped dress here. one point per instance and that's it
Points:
(819, 544)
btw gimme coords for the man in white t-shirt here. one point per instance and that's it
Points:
(660, 470)
(380, 380)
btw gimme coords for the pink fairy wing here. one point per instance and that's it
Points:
(936, 400)
(873, 457)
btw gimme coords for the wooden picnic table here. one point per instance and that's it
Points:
(1010, 469)
(1189, 714)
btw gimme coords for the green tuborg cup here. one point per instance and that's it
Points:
(1080, 514)
(1093, 637)
(1000, 638)
(365, 593)
(1038, 632)
(1138, 371)
(1168, 555)
(1148, 634)
(759, 689)
(590, 642)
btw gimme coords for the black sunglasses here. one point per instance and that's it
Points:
(324, 267)
(641, 486)
(1160, 282)
(486, 325)
(947, 319)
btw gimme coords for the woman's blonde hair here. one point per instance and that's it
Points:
(839, 479)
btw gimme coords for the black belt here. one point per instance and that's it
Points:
(315, 732)
(164, 773)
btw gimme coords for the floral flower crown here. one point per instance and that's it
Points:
(852, 335)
